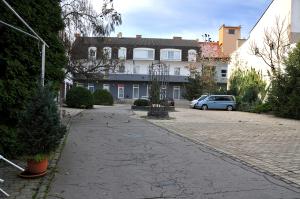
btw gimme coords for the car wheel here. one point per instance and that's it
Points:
(204, 107)
(229, 108)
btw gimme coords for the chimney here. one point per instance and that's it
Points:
(119, 35)
(177, 38)
(77, 35)
(138, 36)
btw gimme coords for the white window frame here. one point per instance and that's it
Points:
(165, 54)
(177, 71)
(107, 50)
(122, 53)
(192, 55)
(106, 87)
(135, 51)
(119, 96)
(176, 88)
(92, 48)
(135, 86)
(91, 86)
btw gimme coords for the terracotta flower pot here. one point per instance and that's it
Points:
(35, 167)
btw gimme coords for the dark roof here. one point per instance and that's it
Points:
(81, 44)
(132, 78)
(130, 41)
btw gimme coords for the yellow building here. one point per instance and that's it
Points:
(228, 37)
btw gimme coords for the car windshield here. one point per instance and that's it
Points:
(202, 97)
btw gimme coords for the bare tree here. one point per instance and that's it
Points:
(275, 45)
(80, 17)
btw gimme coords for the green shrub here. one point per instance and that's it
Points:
(40, 130)
(9, 146)
(285, 92)
(141, 102)
(79, 97)
(249, 89)
(103, 97)
(262, 108)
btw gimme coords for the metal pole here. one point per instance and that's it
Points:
(13, 164)
(24, 22)
(6, 194)
(43, 65)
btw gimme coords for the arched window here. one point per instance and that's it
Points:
(122, 53)
(192, 55)
(143, 54)
(92, 53)
(107, 52)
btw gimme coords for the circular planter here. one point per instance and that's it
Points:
(35, 167)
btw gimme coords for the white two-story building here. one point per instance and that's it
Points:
(131, 79)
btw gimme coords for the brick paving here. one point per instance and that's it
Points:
(271, 144)
(19, 188)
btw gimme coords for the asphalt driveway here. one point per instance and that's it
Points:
(111, 155)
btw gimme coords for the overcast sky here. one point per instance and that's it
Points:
(189, 19)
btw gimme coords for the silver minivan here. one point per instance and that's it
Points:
(225, 102)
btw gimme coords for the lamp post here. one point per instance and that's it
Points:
(35, 35)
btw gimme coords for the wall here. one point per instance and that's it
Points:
(243, 57)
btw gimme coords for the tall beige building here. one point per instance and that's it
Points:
(228, 37)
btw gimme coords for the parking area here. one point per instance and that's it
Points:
(264, 141)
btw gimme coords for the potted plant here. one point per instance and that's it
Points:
(40, 130)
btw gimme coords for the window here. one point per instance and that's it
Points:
(223, 73)
(192, 54)
(122, 53)
(143, 54)
(176, 92)
(107, 52)
(136, 69)
(92, 53)
(170, 54)
(231, 31)
(121, 91)
(135, 94)
(91, 87)
(106, 87)
(177, 71)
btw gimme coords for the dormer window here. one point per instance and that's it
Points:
(192, 55)
(107, 52)
(92, 53)
(170, 54)
(143, 54)
(122, 53)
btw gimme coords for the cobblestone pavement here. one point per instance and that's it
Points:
(110, 155)
(269, 143)
(19, 188)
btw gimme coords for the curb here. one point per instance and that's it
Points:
(44, 184)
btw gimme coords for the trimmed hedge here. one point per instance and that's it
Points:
(103, 97)
(141, 102)
(79, 97)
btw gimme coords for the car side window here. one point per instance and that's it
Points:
(219, 98)
(212, 98)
